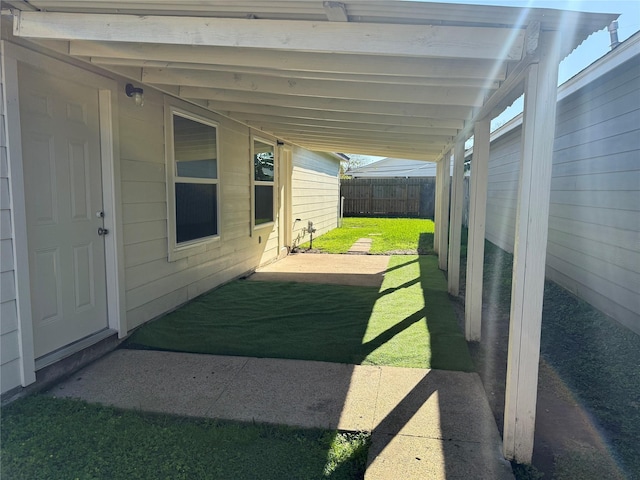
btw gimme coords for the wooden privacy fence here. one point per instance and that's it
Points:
(395, 197)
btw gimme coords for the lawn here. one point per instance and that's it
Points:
(48, 438)
(410, 322)
(388, 235)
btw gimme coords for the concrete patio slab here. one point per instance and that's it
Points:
(408, 457)
(301, 393)
(424, 423)
(437, 404)
(165, 382)
(367, 271)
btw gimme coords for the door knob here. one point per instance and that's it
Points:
(102, 231)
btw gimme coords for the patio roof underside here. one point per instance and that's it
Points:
(389, 78)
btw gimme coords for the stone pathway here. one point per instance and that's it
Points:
(361, 247)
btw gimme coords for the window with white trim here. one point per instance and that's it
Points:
(192, 173)
(263, 182)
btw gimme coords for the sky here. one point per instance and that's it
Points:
(590, 50)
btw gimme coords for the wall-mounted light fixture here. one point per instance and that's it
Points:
(136, 92)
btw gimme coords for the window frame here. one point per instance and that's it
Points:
(177, 251)
(273, 184)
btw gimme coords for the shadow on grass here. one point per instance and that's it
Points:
(425, 244)
(44, 437)
(409, 323)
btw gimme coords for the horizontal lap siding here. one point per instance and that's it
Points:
(594, 218)
(502, 190)
(315, 192)
(153, 284)
(9, 334)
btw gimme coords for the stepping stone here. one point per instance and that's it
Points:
(361, 246)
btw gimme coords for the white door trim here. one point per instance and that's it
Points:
(18, 218)
(109, 145)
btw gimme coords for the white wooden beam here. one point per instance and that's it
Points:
(250, 111)
(331, 63)
(374, 135)
(336, 11)
(477, 216)
(430, 81)
(445, 180)
(351, 142)
(332, 104)
(289, 35)
(315, 88)
(268, 121)
(455, 227)
(369, 150)
(530, 248)
(401, 151)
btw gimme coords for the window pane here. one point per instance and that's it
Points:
(194, 148)
(263, 161)
(264, 204)
(196, 211)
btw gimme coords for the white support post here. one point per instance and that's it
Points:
(530, 252)
(443, 233)
(436, 211)
(477, 216)
(456, 219)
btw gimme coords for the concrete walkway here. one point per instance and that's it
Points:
(425, 424)
(362, 271)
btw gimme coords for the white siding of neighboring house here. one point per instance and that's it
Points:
(594, 220)
(315, 192)
(9, 333)
(503, 190)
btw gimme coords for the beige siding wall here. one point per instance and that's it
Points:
(153, 284)
(9, 333)
(594, 219)
(315, 193)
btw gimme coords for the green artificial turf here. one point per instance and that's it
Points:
(48, 438)
(388, 235)
(408, 323)
(597, 358)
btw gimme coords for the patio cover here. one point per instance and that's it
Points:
(389, 78)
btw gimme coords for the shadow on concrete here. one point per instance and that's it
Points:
(424, 423)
